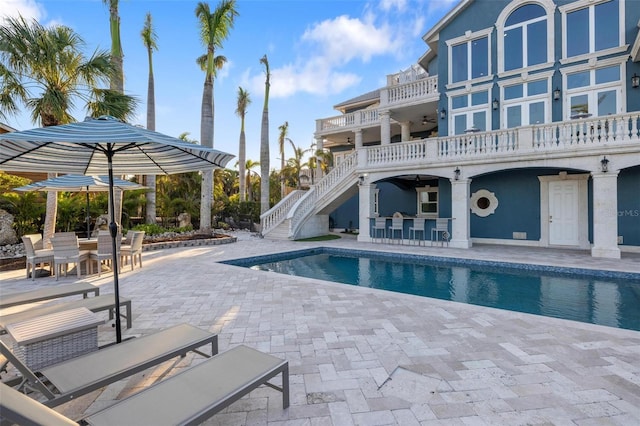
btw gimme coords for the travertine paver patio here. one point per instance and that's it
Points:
(368, 357)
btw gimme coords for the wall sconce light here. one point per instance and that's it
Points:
(604, 164)
(556, 94)
(456, 173)
(635, 81)
(495, 103)
(348, 141)
(443, 113)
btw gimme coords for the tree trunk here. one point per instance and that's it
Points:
(242, 154)
(50, 216)
(206, 139)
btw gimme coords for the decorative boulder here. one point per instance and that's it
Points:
(7, 233)
(184, 220)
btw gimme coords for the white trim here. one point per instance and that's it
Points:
(467, 84)
(506, 242)
(550, 7)
(506, 74)
(526, 77)
(593, 64)
(595, 55)
(479, 211)
(468, 89)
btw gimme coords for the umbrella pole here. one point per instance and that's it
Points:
(113, 230)
(88, 218)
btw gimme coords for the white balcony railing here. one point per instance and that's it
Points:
(363, 118)
(411, 92)
(277, 214)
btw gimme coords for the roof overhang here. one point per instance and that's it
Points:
(635, 49)
(6, 129)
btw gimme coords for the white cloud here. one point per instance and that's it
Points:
(29, 9)
(393, 4)
(343, 39)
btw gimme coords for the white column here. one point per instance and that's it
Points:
(605, 215)
(358, 133)
(319, 147)
(385, 128)
(405, 131)
(365, 210)
(460, 195)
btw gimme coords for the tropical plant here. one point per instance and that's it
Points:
(243, 101)
(294, 164)
(264, 140)
(149, 39)
(284, 130)
(249, 165)
(49, 62)
(321, 161)
(214, 29)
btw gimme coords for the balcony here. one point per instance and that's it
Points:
(420, 91)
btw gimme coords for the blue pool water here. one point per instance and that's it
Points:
(597, 297)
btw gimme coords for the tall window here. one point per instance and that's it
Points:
(525, 103)
(470, 112)
(469, 56)
(525, 37)
(470, 60)
(592, 28)
(595, 92)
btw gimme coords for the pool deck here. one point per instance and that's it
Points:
(360, 356)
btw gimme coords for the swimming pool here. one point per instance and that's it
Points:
(597, 297)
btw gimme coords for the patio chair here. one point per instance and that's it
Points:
(380, 225)
(65, 251)
(47, 293)
(397, 224)
(62, 382)
(417, 226)
(129, 252)
(441, 230)
(104, 251)
(189, 397)
(36, 254)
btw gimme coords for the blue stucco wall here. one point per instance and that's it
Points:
(518, 194)
(629, 206)
(346, 215)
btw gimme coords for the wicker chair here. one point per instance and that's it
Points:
(104, 252)
(66, 250)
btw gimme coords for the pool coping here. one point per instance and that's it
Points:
(441, 260)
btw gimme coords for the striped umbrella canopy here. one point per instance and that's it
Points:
(104, 145)
(80, 183)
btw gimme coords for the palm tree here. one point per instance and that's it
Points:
(241, 110)
(214, 29)
(45, 70)
(249, 165)
(149, 39)
(116, 82)
(295, 164)
(284, 130)
(264, 141)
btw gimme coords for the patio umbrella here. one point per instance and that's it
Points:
(79, 183)
(104, 144)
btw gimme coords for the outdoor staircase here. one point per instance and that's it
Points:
(305, 213)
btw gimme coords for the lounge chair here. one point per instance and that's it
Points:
(78, 376)
(22, 298)
(94, 304)
(187, 398)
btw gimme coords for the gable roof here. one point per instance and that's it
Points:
(433, 35)
(361, 100)
(635, 49)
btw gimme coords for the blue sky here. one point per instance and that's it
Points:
(321, 52)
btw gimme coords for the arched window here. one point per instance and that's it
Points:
(525, 37)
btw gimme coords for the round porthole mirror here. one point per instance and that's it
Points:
(483, 203)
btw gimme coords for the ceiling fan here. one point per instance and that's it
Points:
(426, 120)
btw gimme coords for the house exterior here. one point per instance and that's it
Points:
(520, 124)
